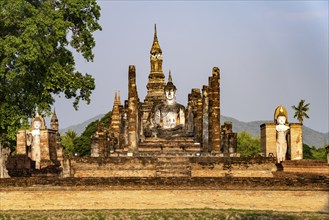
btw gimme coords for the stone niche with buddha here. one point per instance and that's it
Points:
(168, 119)
(281, 139)
(40, 144)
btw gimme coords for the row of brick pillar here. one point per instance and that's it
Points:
(206, 108)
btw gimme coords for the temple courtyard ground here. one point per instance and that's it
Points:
(165, 198)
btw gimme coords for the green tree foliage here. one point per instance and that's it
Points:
(314, 153)
(301, 110)
(67, 141)
(248, 145)
(307, 153)
(105, 120)
(82, 144)
(9, 122)
(319, 154)
(36, 62)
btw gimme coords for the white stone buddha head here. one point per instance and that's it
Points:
(170, 94)
(280, 115)
(37, 124)
(281, 120)
(170, 90)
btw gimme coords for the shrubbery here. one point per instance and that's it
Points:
(248, 145)
(81, 145)
(314, 153)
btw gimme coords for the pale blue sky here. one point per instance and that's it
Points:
(269, 53)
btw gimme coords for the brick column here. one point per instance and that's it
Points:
(205, 118)
(52, 144)
(21, 142)
(132, 111)
(296, 141)
(268, 139)
(199, 118)
(215, 112)
(48, 152)
(210, 102)
(196, 101)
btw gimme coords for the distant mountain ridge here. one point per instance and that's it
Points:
(79, 128)
(310, 136)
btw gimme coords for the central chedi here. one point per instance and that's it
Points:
(156, 79)
(160, 124)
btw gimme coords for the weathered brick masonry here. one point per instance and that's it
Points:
(314, 183)
(165, 166)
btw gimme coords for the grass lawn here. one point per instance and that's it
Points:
(159, 214)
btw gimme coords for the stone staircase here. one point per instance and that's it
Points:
(181, 144)
(173, 167)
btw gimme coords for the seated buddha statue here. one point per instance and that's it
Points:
(168, 118)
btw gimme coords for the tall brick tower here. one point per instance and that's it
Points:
(116, 116)
(156, 79)
(54, 121)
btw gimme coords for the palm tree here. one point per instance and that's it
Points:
(71, 134)
(301, 110)
(67, 141)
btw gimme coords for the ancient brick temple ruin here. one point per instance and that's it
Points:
(38, 147)
(160, 124)
(160, 154)
(159, 137)
(294, 137)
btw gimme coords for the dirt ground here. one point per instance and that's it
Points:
(72, 199)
